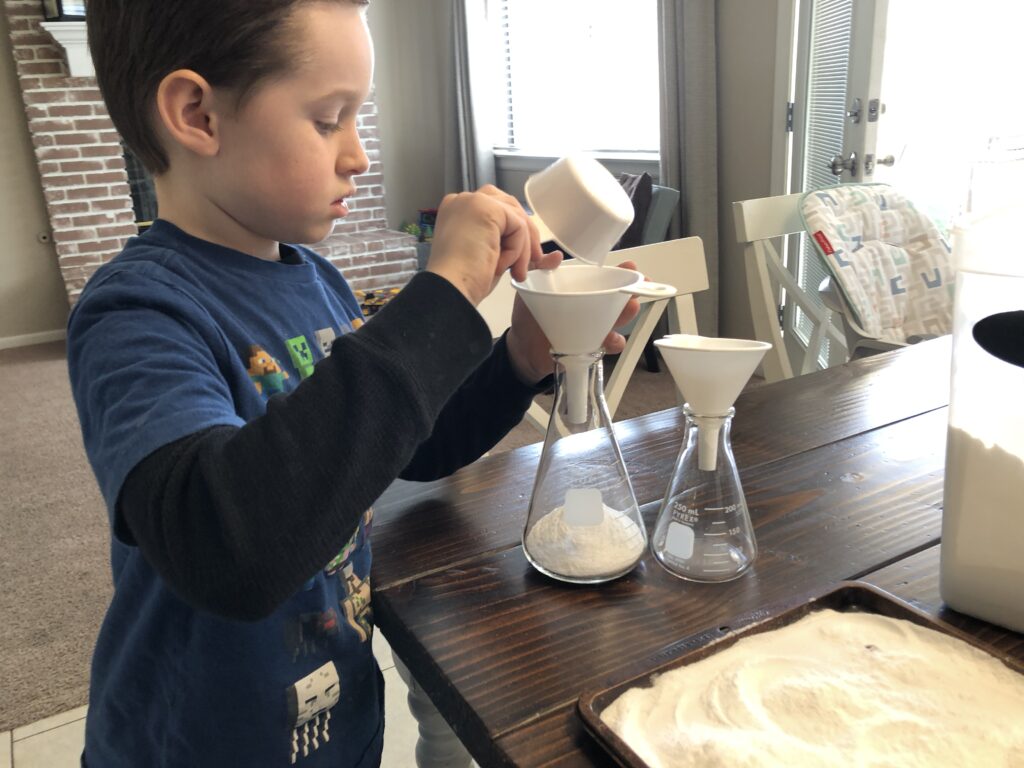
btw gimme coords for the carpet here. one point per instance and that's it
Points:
(54, 561)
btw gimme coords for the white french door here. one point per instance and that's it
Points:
(836, 110)
(952, 138)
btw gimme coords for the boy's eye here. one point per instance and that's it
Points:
(326, 128)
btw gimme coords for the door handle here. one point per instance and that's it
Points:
(870, 163)
(853, 113)
(840, 164)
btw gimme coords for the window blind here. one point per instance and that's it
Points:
(579, 75)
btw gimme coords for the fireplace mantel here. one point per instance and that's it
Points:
(73, 38)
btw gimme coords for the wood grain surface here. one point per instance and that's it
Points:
(843, 476)
(420, 527)
(500, 645)
(916, 580)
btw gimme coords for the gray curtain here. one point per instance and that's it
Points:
(689, 132)
(469, 158)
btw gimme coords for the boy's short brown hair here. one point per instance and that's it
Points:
(233, 44)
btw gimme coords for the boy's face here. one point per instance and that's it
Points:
(287, 158)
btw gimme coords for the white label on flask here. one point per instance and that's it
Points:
(679, 540)
(583, 507)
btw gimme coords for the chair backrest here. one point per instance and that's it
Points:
(889, 261)
(758, 223)
(659, 215)
(680, 263)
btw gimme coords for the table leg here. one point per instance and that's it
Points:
(437, 746)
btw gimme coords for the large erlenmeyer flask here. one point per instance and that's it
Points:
(584, 525)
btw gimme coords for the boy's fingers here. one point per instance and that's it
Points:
(614, 343)
(517, 240)
(630, 311)
(517, 211)
(547, 260)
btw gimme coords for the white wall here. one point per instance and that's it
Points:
(746, 82)
(410, 39)
(33, 303)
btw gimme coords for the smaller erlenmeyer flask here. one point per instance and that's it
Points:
(703, 532)
(584, 525)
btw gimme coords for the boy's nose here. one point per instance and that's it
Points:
(352, 159)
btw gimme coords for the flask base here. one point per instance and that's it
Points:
(705, 577)
(580, 578)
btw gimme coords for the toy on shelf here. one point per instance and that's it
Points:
(427, 220)
(423, 228)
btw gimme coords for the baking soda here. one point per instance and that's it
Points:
(833, 689)
(608, 547)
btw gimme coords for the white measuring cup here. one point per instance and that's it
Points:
(579, 205)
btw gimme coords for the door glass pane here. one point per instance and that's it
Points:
(829, 57)
(952, 107)
(828, 63)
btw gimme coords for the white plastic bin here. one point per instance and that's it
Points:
(982, 554)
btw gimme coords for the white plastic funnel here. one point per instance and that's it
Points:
(711, 373)
(576, 306)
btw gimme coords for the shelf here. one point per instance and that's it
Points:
(73, 38)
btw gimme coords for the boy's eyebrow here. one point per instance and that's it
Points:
(337, 93)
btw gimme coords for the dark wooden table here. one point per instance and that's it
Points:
(842, 471)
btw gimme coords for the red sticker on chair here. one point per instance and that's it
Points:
(823, 242)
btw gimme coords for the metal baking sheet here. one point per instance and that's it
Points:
(847, 596)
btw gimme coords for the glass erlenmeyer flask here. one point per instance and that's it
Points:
(584, 525)
(703, 532)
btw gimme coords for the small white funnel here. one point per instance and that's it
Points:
(710, 373)
(576, 306)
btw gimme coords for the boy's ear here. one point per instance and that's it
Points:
(184, 103)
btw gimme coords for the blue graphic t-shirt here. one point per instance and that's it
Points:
(182, 335)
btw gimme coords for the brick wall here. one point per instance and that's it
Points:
(86, 187)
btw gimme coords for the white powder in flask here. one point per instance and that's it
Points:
(605, 547)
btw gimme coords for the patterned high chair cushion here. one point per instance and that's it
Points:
(890, 262)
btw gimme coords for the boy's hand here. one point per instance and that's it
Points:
(478, 235)
(530, 350)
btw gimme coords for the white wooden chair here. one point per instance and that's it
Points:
(679, 263)
(758, 223)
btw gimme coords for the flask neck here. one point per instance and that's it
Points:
(586, 360)
(576, 377)
(712, 435)
(708, 418)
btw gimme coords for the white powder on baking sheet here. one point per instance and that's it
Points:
(833, 689)
(585, 551)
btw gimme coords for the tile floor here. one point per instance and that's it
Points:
(56, 742)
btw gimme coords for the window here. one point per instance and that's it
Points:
(580, 75)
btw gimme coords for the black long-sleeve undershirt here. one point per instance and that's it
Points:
(235, 520)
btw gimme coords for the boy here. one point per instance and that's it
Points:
(238, 424)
